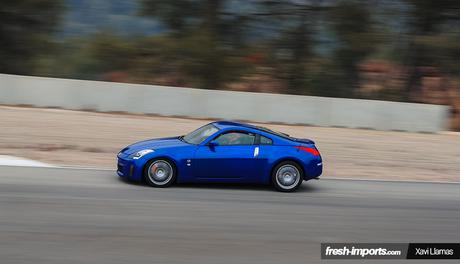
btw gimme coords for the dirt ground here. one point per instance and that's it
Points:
(78, 138)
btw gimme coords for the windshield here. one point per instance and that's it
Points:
(199, 135)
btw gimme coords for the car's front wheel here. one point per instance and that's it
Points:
(160, 173)
(287, 176)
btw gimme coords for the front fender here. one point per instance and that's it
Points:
(178, 157)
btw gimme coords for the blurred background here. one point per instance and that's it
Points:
(398, 50)
(298, 59)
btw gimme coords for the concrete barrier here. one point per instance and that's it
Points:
(262, 107)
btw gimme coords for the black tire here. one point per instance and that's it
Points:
(164, 169)
(289, 169)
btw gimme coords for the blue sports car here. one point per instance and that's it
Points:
(226, 152)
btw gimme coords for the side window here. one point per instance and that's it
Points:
(236, 138)
(265, 141)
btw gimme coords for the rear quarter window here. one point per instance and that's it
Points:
(265, 141)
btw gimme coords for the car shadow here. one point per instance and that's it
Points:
(306, 187)
(224, 186)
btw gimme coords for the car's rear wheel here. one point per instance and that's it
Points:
(160, 173)
(287, 176)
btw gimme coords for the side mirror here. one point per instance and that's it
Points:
(213, 143)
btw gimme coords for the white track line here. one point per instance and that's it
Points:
(22, 162)
(384, 180)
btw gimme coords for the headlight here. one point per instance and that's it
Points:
(141, 153)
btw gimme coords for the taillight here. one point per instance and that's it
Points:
(309, 150)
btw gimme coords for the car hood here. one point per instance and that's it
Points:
(157, 143)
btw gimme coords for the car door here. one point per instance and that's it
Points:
(233, 159)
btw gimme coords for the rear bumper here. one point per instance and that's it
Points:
(313, 170)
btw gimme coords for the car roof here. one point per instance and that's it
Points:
(232, 124)
(236, 125)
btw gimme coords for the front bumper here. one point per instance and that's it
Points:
(127, 168)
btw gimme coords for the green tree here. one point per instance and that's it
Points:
(200, 28)
(432, 40)
(177, 15)
(113, 53)
(356, 39)
(25, 29)
(297, 24)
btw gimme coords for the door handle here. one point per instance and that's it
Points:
(256, 152)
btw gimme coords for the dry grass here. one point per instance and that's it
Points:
(92, 139)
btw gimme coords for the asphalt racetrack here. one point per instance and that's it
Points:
(57, 215)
